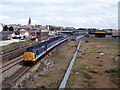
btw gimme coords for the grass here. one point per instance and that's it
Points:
(93, 71)
(76, 46)
(43, 75)
(113, 70)
(87, 76)
(101, 60)
(69, 47)
(88, 65)
(86, 41)
(90, 83)
(97, 57)
(80, 68)
(115, 61)
(81, 71)
(52, 78)
(79, 56)
(115, 74)
(83, 67)
(16, 45)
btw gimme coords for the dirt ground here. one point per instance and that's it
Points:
(91, 69)
(94, 59)
(51, 70)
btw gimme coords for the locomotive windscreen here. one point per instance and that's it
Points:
(30, 49)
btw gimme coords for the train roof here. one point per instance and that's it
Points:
(44, 43)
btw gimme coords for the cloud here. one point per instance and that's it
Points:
(59, 1)
(95, 22)
(77, 13)
(2, 18)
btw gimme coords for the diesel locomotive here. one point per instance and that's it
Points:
(34, 52)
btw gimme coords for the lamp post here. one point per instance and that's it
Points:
(19, 37)
(36, 35)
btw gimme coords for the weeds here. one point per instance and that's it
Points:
(97, 57)
(87, 76)
(115, 61)
(115, 74)
(90, 83)
(112, 70)
(93, 71)
(76, 46)
(100, 52)
(86, 41)
(79, 56)
(101, 60)
(42, 75)
(16, 45)
(83, 67)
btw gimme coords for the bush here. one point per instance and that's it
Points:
(86, 41)
(112, 70)
(76, 46)
(87, 76)
(97, 57)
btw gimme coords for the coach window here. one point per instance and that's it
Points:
(37, 52)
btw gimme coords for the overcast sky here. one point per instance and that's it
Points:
(73, 13)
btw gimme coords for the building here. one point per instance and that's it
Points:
(44, 34)
(100, 34)
(29, 21)
(107, 30)
(116, 34)
(40, 34)
(6, 35)
(1, 27)
(69, 28)
(27, 31)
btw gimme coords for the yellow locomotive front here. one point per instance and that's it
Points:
(29, 56)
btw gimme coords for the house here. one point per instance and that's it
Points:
(39, 34)
(1, 27)
(116, 34)
(6, 35)
(107, 30)
(44, 34)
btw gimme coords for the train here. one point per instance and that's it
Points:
(34, 52)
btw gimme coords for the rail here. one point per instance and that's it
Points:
(55, 44)
(64, 81)
(79, 37)
(6, 69)
(7, 83)
(15, 60)
(16, 52)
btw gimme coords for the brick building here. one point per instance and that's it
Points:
(6, 35)
(116, 34)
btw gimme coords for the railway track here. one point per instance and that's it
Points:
(16, 48)
(17, 52)
(6, 82)
(5, 69)
(13, 53)
(11, 64)
(9, 81)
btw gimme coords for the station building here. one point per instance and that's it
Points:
(100, 34)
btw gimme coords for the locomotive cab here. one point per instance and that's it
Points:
(29, 55)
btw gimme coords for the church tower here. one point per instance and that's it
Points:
(29, 21)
